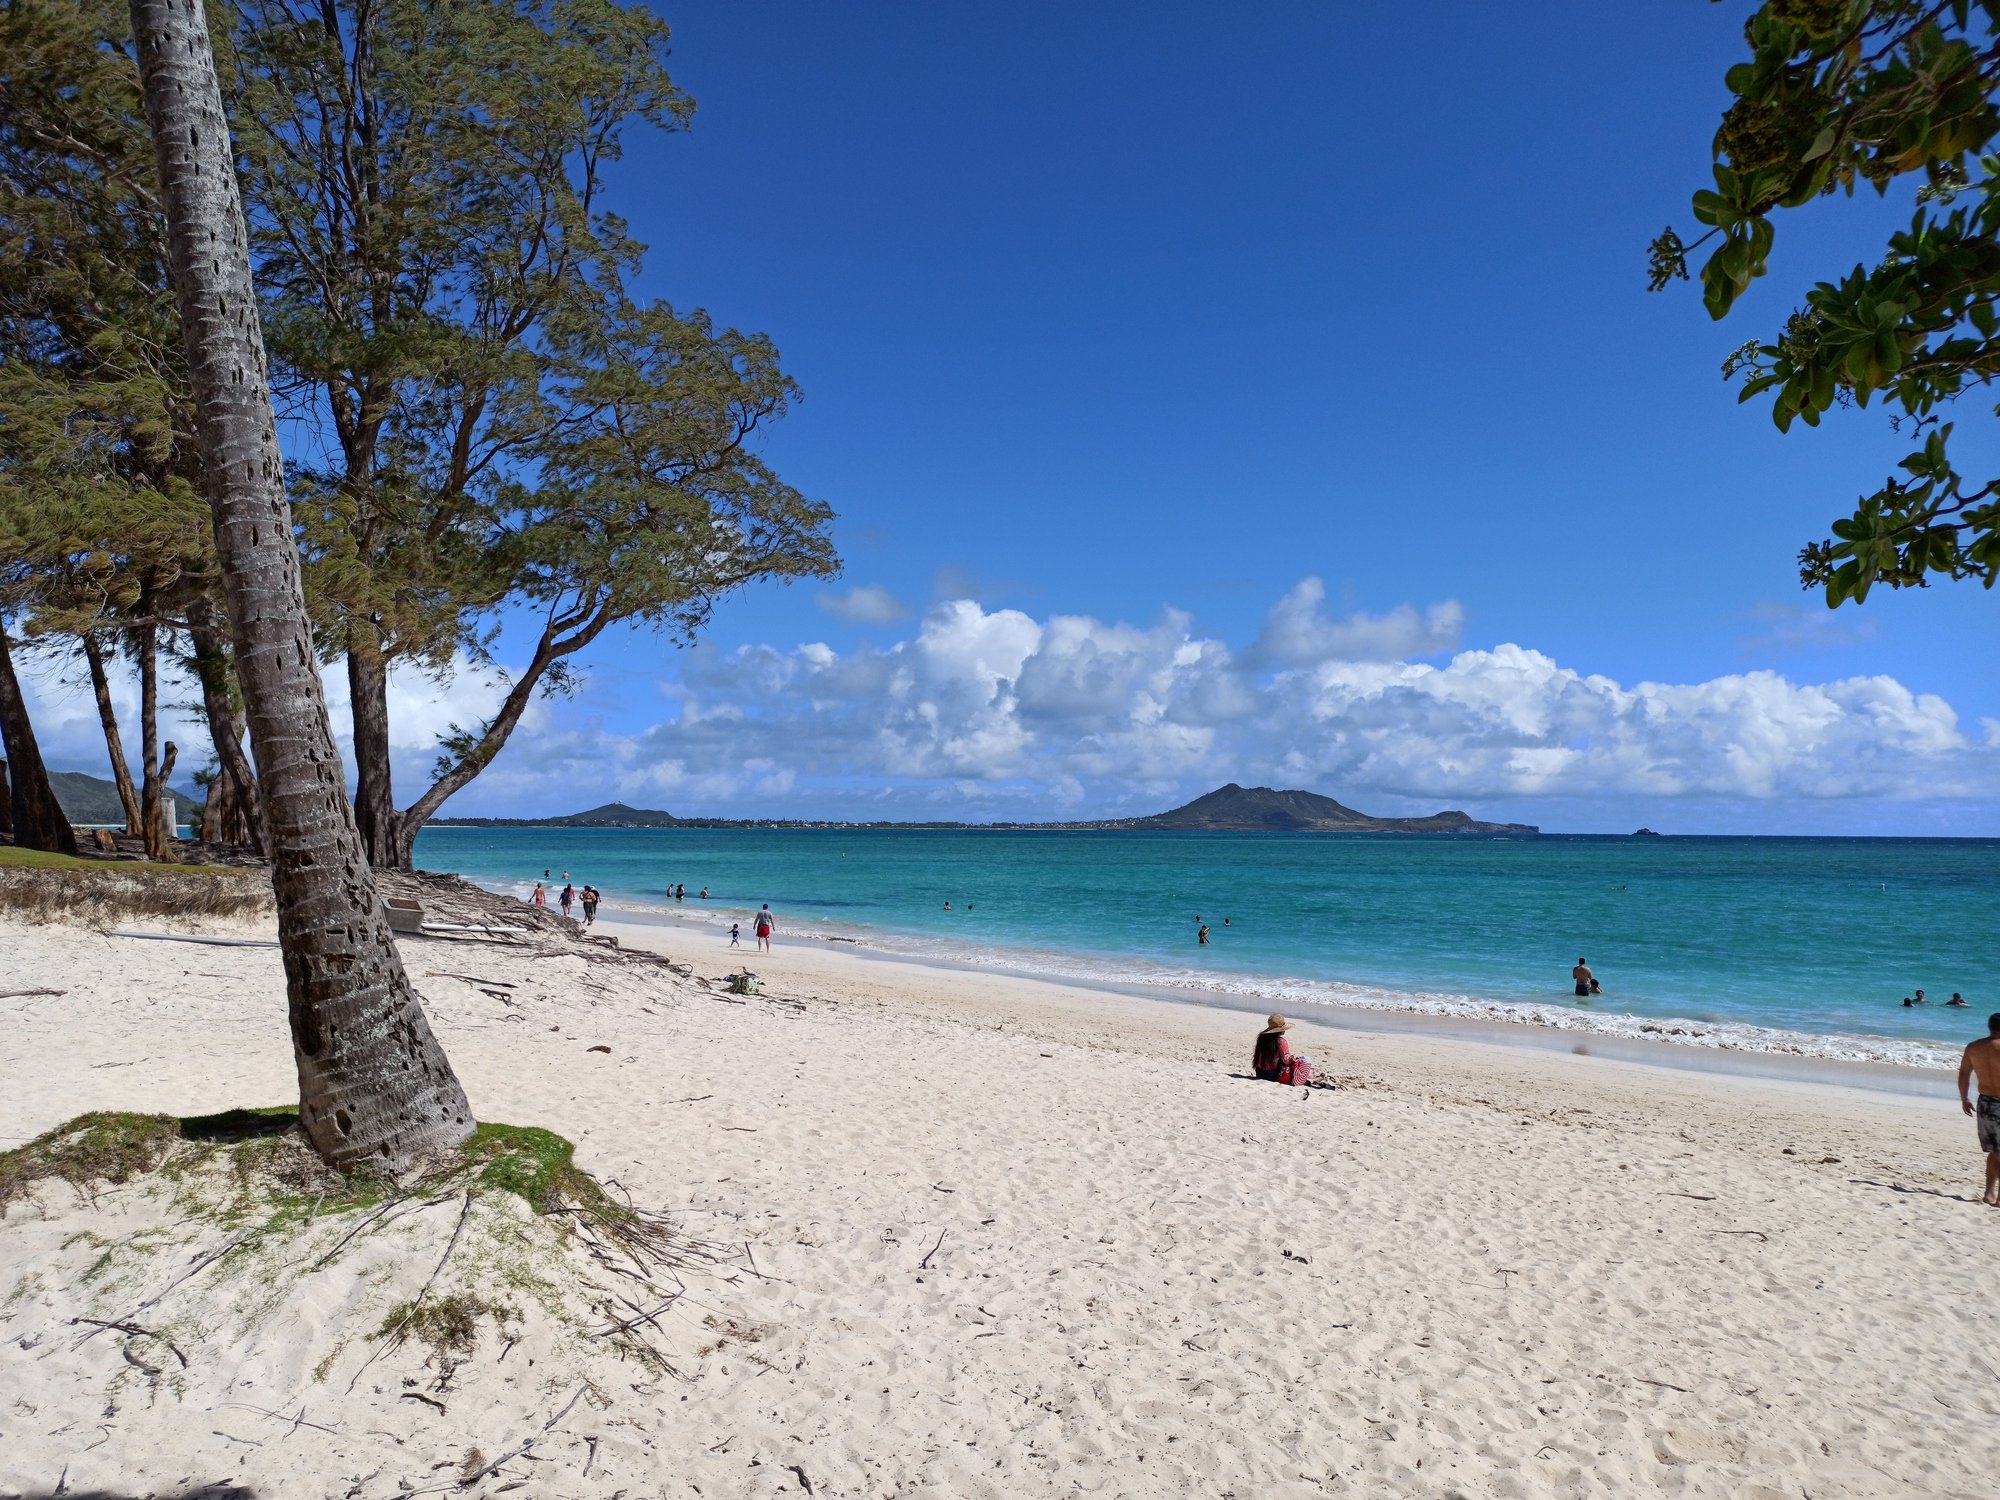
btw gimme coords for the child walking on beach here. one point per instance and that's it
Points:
(735, 934)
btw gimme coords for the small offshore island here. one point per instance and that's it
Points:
(1227, 809)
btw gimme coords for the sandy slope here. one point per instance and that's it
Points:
(1010, 1239)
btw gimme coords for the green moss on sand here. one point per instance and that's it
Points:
(537, 1166)
(103, 1146)
(37, 859)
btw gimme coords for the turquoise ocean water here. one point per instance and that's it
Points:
(1772, 944)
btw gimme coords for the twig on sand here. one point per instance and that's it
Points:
(278, 1416)
(386, 1205)
(1758, 1232)
(507, 1458)
(134, 1328)
(924, 1264)
(420, 1396)
(691, 1099)
(1698, 1197)
(1663, 1385)
(194, 1270)
(23, 994)
(645, 1317)
(394, 1335)
(800, 1471)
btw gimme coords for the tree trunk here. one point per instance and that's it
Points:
(39, 821)
(225, 723)
(152, 813)
(114, 742)
(216, 811)
(368, 696)
(552, 646)
(375, 1088)
(6, 804)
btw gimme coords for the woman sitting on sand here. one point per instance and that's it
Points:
(1274, 1061)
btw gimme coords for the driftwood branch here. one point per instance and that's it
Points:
(507, 1458)
(135, 1329)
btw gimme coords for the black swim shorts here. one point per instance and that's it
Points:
(1989, 1122)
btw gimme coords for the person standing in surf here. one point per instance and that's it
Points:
(766, 925)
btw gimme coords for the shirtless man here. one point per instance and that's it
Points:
(1983, 1058)
(1586, 982)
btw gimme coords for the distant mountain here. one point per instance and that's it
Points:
(1229, 809)
(92, 799)
(1259, 809)
(611, 815)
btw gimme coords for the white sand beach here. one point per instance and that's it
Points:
(1001, 1238)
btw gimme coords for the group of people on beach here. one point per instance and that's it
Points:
(678, 892)
(588, 896)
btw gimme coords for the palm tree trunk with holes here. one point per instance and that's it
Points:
(38, 819)
(375, 1088)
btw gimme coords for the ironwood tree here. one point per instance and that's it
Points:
(102, 526)
(446, 295)
(375, 1088)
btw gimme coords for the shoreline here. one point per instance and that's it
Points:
(1697, 963)
(1875, 1076)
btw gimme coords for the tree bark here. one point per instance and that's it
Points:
(6, 804)
(114, 742)
(368, 697)
(225, 723)
(375, 1088)
(39, 821)
(152, 813)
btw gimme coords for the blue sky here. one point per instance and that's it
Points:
(1149, 317)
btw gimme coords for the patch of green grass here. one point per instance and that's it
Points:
(103, 1146)
(536, 1166)
(37, 859)
(447, 1325)
(113, 1146)
(12, 858)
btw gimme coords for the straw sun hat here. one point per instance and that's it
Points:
(1276, 1023)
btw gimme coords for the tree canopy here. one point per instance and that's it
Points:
(500, 422)
(1838, 94)
(484, 423)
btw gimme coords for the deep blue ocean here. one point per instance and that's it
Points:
(1798, 945)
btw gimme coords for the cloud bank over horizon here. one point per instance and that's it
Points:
(992, 713)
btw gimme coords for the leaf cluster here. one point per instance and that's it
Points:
(98, 474)
(1838, 93)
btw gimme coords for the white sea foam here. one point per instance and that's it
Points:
(1262, 990)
